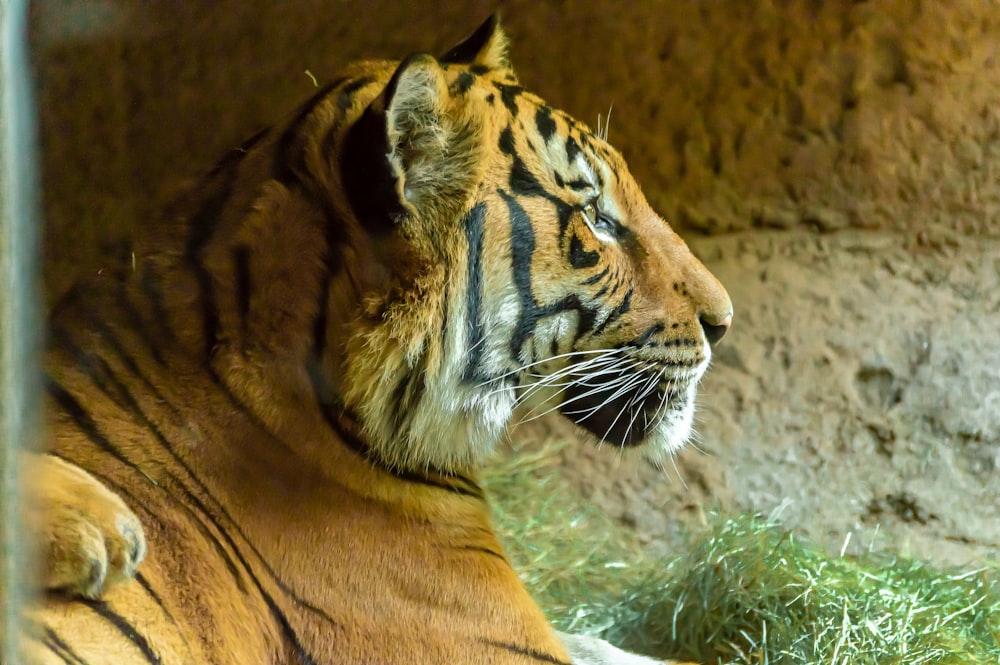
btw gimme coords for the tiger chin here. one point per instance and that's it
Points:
(292, 384)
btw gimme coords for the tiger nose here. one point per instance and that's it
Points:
(715, 328)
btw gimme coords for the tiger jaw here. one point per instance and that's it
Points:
(628, 414)
(621, 396)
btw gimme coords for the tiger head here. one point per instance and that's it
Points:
(509, 257)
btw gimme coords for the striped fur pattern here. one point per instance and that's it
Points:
(293, 377)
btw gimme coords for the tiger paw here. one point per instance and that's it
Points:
(88, 540)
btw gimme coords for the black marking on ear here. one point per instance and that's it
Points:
(462, 83)
(475, 332)
(509, 95)
(468, 49)
(543, 120)
(579, 257)
(366, 173)
(241, 270)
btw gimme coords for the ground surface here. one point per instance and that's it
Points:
(836, 163)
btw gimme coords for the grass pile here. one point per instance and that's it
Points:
(746, 591)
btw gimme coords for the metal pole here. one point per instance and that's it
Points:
(20, 323)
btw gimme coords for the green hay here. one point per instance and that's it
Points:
(747, 591)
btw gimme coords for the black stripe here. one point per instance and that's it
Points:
(641, 340)
(85, 423)
(144, 583)
(322, 315)
(509, 95)
(507, 143)
(579, 257)
(522, 249)
(127, 359)
(287, 157)
(616, 313)
(132, 405)
(525, 651)
(451, 482)
(244, 285)
(596, 278)
(304, 656)
(137, 325)
(58, 646)
(328, 145)
(572, 150)
(544, 122)
(523, 182)
(483, 550)
(201, 226)
(125, 628)
(345, 99)
(475, 332)
(587, 316)
(90, 364)
(149, 282)
(409, 392)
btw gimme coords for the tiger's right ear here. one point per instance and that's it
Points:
(408, 156)
(487, 46)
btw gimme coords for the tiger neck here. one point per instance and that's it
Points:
(273, 338)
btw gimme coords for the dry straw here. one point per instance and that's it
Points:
(746, 591)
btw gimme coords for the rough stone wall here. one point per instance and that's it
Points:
(733, 114)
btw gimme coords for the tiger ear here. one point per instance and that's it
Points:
(410, 154)
(487, 46)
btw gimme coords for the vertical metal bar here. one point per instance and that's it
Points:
(20, 323)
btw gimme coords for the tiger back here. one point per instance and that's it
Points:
(296, 373)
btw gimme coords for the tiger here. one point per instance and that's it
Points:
(279, 400)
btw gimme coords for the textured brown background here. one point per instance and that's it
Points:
(843, 157)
